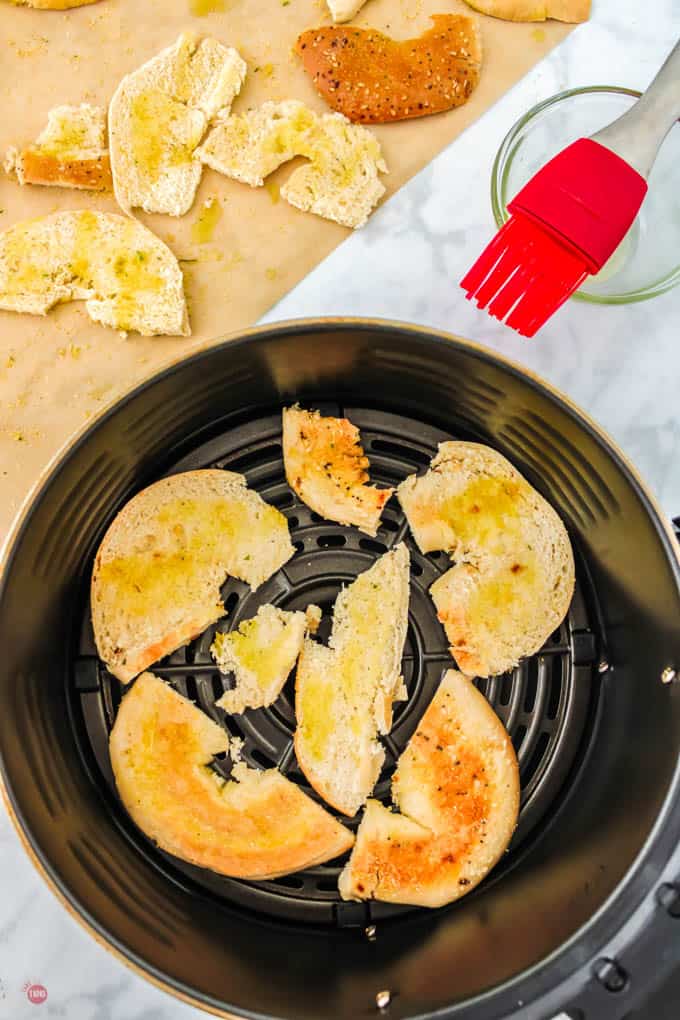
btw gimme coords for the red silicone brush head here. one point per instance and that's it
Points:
(566, 222)
(524, 275)
(587, 196)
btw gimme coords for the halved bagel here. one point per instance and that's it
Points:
(344, 692)
(326, 467)
(258, 825)
(158, 572)
(457, 788)
(513, 578)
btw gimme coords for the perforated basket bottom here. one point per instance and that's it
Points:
(543, 703)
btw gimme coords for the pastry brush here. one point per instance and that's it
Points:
(571, 216)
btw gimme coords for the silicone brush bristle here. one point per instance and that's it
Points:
(524, 275)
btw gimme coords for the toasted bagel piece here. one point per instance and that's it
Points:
(261, 654)
(159, 114)
(325, 465)
(344, 692)
(257, 825)
(128, 278)
(158, 571)
(373, 79)
(457, 788)
(533, 10)
(70, 152)
(513, 578)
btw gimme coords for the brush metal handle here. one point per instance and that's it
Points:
(637, 136)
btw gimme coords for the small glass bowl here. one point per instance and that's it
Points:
(647, 262)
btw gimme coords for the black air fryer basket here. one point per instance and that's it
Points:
(583, 912)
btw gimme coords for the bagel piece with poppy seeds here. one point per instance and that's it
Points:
(373, 79)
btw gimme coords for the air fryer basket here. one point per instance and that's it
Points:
(582, 913)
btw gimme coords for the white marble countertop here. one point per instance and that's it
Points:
(622, 364)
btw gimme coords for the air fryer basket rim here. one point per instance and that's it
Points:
(556, 979)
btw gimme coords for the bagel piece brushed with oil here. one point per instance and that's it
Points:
(457, 790)
(326, 466)
(261, 654)
(257, 825)
(159, 569)
(340, 178)
(158, 115)
(127, 277)
(344, 691)
(513, 574)
(70, 152)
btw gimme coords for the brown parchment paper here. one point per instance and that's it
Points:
(59, 371)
